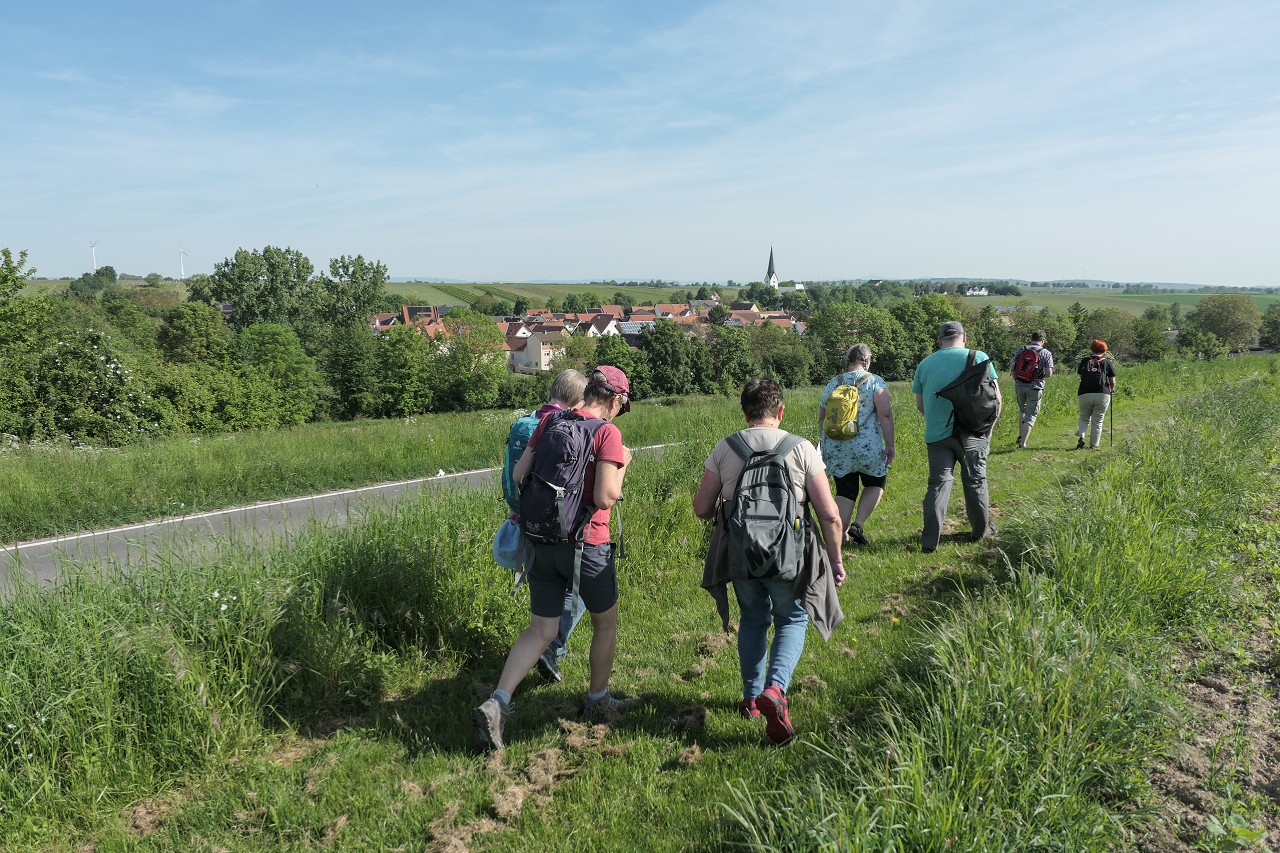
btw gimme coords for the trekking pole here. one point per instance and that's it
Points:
(1113, 418)
(622, 548)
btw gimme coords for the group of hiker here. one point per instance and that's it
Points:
(768, 493)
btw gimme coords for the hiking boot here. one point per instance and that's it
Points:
(1079, 443)
(856, 534)
(550, 668)
(748, 710)
(490, 718)
(773, 707)
(607, 707)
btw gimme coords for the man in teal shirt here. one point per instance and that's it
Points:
(932, 375)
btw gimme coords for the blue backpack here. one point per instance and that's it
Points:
(517, 441)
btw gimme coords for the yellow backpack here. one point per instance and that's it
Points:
(841, 421)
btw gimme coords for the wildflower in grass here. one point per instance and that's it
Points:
(217, 594)
(223, 607)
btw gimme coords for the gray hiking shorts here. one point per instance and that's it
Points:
(551, 577)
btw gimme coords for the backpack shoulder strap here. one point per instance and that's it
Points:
(972, 357)
(866, 377)
(738, 445)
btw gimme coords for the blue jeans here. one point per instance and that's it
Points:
(573, 610)
(760, 603)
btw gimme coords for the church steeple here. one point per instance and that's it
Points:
(771, 277)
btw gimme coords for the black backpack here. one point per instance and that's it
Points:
(553, 507)
(974, 398)
(764, 529)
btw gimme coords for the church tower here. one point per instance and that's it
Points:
(771, 277)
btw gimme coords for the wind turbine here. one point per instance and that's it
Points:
(93, 247)
(181, 254)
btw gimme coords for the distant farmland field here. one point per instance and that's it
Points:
(1093, 298)
(433, 294)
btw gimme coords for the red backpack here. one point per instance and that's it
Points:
(1026, 367)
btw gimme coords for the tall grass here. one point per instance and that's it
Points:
(1026, 719)
(1020, 721)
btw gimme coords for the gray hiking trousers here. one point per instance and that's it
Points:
(971, 453)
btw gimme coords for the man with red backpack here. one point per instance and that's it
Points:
(570, 477)
(1032, 365)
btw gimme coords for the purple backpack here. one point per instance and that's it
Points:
(553, 506)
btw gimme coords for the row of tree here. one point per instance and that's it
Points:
(118, 364)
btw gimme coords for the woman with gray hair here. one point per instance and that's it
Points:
(861, 449)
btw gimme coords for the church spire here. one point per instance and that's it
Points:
(771, 277)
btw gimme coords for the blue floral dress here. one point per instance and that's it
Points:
(864, 452)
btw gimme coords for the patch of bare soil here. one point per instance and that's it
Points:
(1233, 736)
(511, 792)
(689, 720)
(149, 815)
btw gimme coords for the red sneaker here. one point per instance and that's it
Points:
(748, 709)
(773, 706)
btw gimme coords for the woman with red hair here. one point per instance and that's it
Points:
(1097, 384)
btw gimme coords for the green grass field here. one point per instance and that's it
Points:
(976, 699)
(1093, 298)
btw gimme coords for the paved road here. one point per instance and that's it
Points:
(44, 560)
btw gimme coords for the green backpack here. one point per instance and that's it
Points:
(841, 421)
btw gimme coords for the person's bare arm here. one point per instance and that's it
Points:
(920, 403)
(824, 507)
(884, 413)
(704, 502)
(522, 467)
(608, 484)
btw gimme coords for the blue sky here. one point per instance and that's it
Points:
(507, 141)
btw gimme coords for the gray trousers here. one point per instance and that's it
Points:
(971, 453)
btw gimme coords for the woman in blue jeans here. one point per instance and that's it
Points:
(766, 668)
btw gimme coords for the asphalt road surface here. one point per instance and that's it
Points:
(43, 561)
(270, 522)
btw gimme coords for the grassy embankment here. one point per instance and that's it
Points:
(282, 701)
(53, 489)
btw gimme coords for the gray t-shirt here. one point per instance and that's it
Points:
(1046, 365)
(803, 461)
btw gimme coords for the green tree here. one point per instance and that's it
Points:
(129, 318)
(274, 353)
(1196, 343)
(1269, 333)
(676, 363)
(274, 286)
(84, 392)
(12, 275)
(1149, 341)
(731, 361)
(781, 354)
(404, 372)
(613, 350)
(350, 364)
(1233, 318)
(579, 353)
(467, 373)
(1175, 315)
(1107, 324)
(195, 333)
(154, 279)
(351, 291)
(1157, 314)
(89, 284)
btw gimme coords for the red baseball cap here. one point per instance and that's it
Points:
(612, 379)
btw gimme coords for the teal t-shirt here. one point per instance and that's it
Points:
(932, 375)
